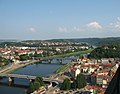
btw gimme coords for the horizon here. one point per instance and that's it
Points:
(59, 38)
(64, 19)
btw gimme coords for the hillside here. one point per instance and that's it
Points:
(91, 41)
(108, 51)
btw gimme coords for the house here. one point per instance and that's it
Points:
(100, 79)
(74, 72)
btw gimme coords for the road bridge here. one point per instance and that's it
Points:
(22, 76)
(18, 76)
(59, 60)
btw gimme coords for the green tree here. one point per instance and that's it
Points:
(106, 51)
(74, 84)
(31, 88)
(81, 82)
(36, 85)
(66, 85)
(24, 57)
(3, 61)
(40, 80)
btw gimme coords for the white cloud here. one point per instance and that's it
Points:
(94, 25)
(32, 29)
(115, 25)
(78, 29)
(63, 29)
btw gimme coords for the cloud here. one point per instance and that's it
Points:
(78, 29)
(94, 25)
(115, 25)
(63, 29)
(32, 29)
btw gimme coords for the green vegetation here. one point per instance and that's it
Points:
(64, 67)
(3, 61)
(10, 70)
(40, 80)
(25, 57)
(108, 51)
(91, 41)
(79, 53)
(35, 85)
(80, 81)
(66, 85)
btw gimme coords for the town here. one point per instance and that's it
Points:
(36, 50)
(59, 47)
(84, 75)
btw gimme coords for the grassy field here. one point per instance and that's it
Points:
(70, 54)
(63, 68)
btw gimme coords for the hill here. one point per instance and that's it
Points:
(91, 41)
(106, 51)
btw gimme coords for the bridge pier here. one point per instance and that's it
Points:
(10, 81)
(49, 61)
(59, 61)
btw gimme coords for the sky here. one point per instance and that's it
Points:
(54, 19)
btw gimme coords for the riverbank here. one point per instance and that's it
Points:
(70, 54)
(17, 66)
(67, 66)
(64, 68)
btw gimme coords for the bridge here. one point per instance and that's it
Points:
(59, 60)
(29, 77)
(18, 76)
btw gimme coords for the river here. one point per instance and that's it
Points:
(33, 69)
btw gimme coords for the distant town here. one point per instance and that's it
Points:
(86, 73)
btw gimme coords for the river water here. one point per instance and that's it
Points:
(34, 69)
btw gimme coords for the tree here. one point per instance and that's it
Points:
(66, 85)
(31, 88)
(40, 80)
(74, 85)
(81, 82)
(35, 85)
(106, 51)
(3, 61)
(24, 57)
